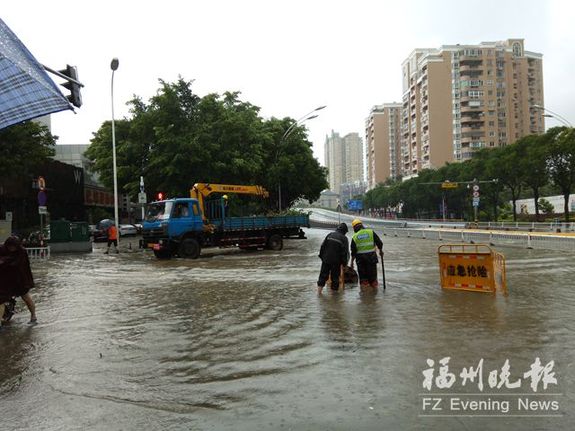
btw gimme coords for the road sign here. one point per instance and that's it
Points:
(475, 194)
(42, 210)
(449, 185)
(142, 198)
(354, 205)
(476, 187)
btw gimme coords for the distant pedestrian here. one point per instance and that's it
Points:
(363, 247)
(334, 253)
(16, 275)
(112, 238)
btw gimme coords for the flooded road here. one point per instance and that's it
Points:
(241, 341)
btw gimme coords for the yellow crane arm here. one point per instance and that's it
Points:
(200, 191)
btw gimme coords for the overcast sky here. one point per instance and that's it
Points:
(287, 56)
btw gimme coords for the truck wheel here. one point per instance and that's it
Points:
(275, 242)
(189, 248)
(162, 254)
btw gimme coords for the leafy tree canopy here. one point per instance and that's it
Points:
(23, 147)
(529, 164)
(179, 138)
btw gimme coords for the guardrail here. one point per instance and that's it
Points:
(38, 253)
(528, 226)
(525, 240)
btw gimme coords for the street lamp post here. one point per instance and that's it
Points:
(552, 114)
(286, 134)
(114, 66)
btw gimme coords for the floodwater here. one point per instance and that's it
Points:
(241, 341)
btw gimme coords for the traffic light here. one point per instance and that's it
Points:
(73, 85)
(160, 196)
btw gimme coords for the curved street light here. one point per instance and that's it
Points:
(552, 114)
(114, 66)
(286, 134)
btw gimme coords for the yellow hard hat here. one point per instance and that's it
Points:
(356, 222)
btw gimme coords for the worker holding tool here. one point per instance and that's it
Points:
(363, 250)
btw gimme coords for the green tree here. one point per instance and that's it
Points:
(561, 165)
(504, 165)
(534, 166)
(546, 206)
(23, 147)
(179, 138)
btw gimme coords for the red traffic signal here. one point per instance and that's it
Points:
(160, 196)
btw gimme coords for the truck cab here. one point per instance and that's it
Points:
(168, 222)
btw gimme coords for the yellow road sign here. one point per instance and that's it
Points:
(449, 185)
(475, 268)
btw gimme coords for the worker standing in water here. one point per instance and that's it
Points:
(363, 250)
(334, 253)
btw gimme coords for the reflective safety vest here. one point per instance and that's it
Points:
(364, 242)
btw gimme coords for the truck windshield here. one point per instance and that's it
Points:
(159, 211)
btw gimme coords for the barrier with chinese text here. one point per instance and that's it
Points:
(472, 267)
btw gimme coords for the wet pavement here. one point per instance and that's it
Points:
(241, 341)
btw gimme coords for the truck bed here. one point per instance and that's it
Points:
(259, 223)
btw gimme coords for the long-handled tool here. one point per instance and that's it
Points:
(382, 270)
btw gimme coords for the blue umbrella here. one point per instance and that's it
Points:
(26, 90)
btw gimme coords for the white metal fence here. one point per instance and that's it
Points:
(555, 226)
(527, 240)
(36, 253)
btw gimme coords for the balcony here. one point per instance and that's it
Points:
(469, 67)
(471, 130)
(472, 73)
(468, 109)
(470, 59)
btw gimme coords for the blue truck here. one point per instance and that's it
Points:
(182, 227)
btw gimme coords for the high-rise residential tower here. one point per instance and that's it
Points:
(383, 143)
(353, 147)
(343, 159)
(459, 98)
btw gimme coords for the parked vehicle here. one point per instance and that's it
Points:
(128, 230)
(183, 226)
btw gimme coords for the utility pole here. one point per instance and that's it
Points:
(142, 197)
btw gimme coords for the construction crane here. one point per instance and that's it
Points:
(201, 191)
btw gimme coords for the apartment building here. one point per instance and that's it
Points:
(353, 147)
(343, 159)
(460, 98)
(383, 143)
